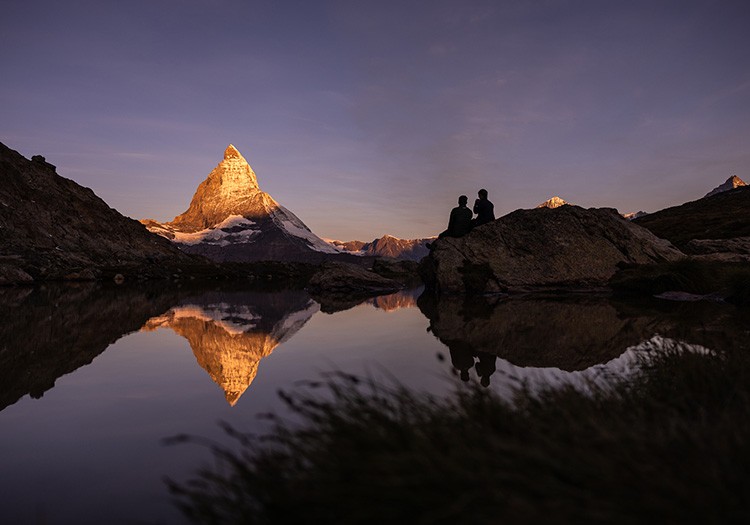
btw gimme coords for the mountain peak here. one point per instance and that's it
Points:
(232, 153)
(230, 189)
(731, 183)
(554, 202)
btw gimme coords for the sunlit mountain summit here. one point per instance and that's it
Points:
(731, 183)
(231, 219)
(230, 332)
(554, 202)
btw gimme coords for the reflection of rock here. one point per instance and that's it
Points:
(569, 333)
(231, 332)
(562, 247)
(49, 332)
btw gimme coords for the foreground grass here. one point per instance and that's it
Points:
(672, 446)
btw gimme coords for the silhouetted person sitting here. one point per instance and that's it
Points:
(459, 223)
(484, 209)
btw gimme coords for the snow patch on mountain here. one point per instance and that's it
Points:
(232, 230)
(291, 224)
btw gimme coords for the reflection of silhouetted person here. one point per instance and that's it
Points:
(486, 367)
(484, 209)
(459, 223)
(462, 360)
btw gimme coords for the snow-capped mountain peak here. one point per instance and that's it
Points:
(554, 202)
(731, 183)
(230, 218)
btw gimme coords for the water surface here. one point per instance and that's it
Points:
(93, 378)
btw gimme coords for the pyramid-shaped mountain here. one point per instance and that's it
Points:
(231, 219)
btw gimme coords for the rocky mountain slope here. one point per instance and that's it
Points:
(723, 215)
(231, 219)
(53, 228)
(542, 248)
(387, 246)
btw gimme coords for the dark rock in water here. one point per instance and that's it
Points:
(52, 228)
(724, 215)
(565, 247)
(344, 279)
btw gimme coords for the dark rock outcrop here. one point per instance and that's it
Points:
(565, 247)
(53, 228)
(724, 215)
(338, 286)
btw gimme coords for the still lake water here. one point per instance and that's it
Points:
(93, 378)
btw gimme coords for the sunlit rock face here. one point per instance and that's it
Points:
(231, 219)
(230, 333)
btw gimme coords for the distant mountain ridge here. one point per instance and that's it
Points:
(231, 219)
(387, 246)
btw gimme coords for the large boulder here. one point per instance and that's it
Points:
(565, 247)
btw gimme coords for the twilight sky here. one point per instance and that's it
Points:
(371, 117)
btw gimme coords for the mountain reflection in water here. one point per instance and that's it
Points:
(230, 332)
(50, 331)
(569, 334)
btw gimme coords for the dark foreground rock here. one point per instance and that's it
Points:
(52, 228)
(565, 247)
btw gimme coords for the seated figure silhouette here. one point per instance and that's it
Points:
(459, 223)
(484, 209)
